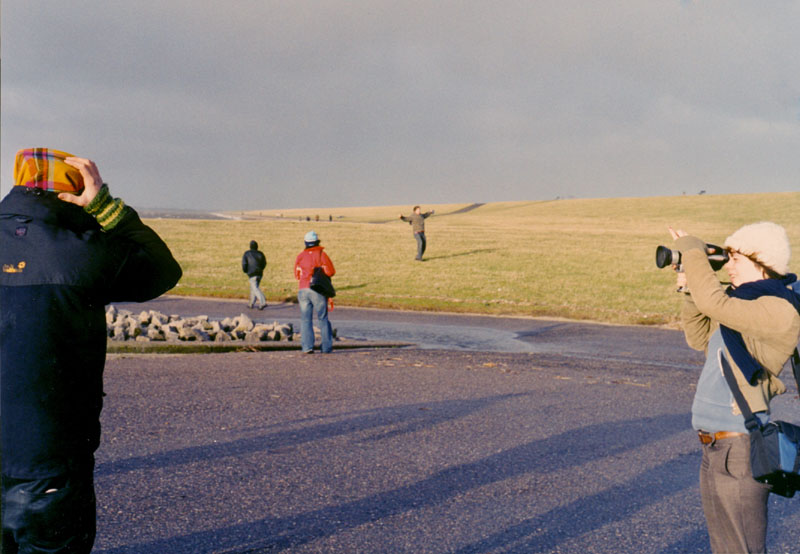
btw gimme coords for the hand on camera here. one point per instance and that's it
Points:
(677, 234)
(680, 281)
(680, 276)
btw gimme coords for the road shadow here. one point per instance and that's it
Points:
(404, 419)
(540, 457)
(546, 532)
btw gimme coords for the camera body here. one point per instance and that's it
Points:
(665, 256)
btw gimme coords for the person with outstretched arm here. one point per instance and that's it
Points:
(417, 222)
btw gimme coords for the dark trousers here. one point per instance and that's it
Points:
(420, 244)
(57, 514)
(735, 504)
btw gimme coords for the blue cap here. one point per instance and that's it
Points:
(311, 236)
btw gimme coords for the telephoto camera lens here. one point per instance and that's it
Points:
(666, 257)
(717, 257)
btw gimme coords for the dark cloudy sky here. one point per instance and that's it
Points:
(242, 104)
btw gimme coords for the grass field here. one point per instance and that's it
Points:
(580, 259)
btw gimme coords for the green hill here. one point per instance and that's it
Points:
(577, 258)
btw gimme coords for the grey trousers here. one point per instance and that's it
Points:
(255, 293)
(735, 504)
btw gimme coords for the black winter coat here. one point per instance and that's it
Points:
(59, 270)
(253, 263)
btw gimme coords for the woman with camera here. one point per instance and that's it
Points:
(755, 324)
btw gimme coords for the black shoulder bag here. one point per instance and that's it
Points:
(321, 283)
(774, 447)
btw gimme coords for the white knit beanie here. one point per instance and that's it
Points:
(765, 242)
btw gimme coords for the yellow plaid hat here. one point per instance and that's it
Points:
(43, 168)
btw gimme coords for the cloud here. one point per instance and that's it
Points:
(253, 103)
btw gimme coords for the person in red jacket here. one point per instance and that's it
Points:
(310, 300)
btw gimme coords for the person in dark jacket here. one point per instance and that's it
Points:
(253, 263)
(417, 222)
(67, 248)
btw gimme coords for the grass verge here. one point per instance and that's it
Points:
(586, 259)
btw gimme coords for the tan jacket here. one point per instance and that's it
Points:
(770, 326)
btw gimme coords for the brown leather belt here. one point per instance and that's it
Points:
(711, 438)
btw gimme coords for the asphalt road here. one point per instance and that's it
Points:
(463, 332)
(562, 447)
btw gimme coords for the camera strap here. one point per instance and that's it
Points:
(796, 368)
(751, 291)
(750, 420)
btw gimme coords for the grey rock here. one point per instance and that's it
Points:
(155, 326)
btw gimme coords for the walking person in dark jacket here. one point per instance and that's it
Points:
(67, 248)
(253, 263)
(417, 222)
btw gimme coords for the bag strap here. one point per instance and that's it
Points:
(796, 368)
(318, 263)
(750, 420)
